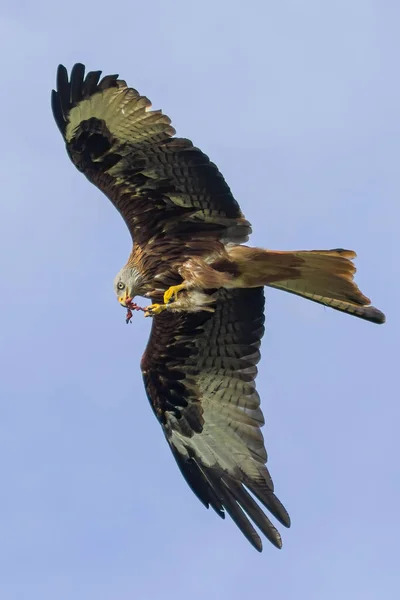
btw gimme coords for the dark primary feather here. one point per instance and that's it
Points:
(212, 419)
(160, 184)
(77, 76)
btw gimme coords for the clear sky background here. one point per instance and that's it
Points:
(298, 104)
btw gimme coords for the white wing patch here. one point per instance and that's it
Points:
(126, 114)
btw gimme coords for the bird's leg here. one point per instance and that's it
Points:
(173, 291)
(154, 309)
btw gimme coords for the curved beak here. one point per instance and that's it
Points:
(122, 299)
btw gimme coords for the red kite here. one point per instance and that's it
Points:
(205, 285)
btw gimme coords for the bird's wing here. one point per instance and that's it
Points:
(160, 184)
(199, 372)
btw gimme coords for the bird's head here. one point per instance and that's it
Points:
(126, 284)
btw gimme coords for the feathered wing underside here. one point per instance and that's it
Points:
(160, 184)
(199, 372)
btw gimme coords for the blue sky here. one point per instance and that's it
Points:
(298, 104)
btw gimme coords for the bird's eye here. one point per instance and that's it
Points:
(120, 285)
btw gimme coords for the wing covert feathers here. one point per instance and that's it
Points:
(199, 371)
(159, 183)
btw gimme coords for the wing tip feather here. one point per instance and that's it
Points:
(216, 488)
(71, 90)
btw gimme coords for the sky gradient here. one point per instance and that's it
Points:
(298, 104)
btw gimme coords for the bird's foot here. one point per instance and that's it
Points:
(154, 309)
(172, 292)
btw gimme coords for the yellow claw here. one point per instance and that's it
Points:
(154, 309)
(173, 292)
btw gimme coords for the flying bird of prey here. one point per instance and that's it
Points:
(206, 287)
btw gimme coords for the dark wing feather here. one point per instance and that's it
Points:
(160, 184)
(77, 77)
(199, 371)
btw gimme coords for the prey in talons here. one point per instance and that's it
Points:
(131, 306)
(154, 309)
(191, 300)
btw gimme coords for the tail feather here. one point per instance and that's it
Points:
(323, 276)
(369, 313)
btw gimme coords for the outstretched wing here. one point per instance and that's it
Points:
(159, 184)
(199, 371)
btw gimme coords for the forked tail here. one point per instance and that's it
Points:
(323, 276)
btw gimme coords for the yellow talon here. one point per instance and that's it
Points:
(173, 292)
(154, 309)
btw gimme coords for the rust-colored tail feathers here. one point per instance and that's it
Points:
(323, 276)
